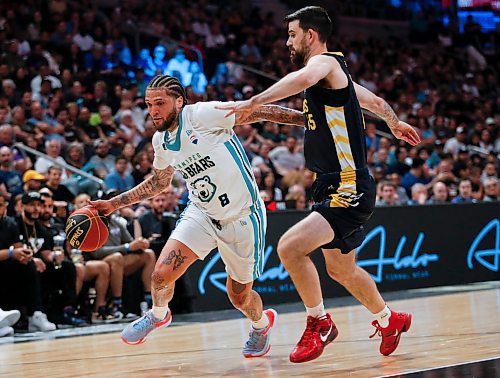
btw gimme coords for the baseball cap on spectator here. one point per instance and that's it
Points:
(460, 130)
(31, 197)
(246, 89)
(98, 141)
(438, 143)
(490, 121)
(31, 174)
(463, 150)
(126, 113)
(8, 82)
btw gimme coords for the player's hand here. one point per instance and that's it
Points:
(102, 206)
(40, 265)
(241, 108)
(406, 132)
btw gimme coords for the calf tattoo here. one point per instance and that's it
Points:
(174, 258)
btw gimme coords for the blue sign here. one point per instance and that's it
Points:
(482, 255)
(397, 262)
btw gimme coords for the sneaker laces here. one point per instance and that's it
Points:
(253, 338)
(143, 323)
(309, 332)
(378, 329)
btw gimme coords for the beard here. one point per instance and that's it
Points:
(298, 56)
(32, 216)
(44, 217)
(168, 122)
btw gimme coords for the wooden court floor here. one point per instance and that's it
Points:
(446, 330)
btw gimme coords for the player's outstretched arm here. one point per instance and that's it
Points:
(149, 188)
(380, 107)
(273, 113)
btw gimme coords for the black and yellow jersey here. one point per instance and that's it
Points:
(335, 137)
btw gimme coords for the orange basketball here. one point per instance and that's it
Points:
(86, 229)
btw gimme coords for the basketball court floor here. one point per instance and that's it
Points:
(455, 333)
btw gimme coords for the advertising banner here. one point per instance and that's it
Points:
(405, 248)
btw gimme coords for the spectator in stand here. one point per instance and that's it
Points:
(53, 149)
(419, 195)
(32, 180)
(155, 65)
(491, 190)
(18, 265)
(41, 121)
(142, 167)
(388, 195)
(439, 194)
(196, 79)
(102, 162)
(9, 176)
(178, 64)
(270, 191)
(61, 194)
(464, 192)
(454, 144)
(417, 174)
(119, 179)
(287, 158)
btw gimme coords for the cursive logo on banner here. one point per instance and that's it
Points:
(218, 279)
(481, 255)
(397, 261)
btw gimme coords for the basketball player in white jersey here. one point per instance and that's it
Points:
(225, 210)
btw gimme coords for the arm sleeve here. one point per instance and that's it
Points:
(206, 116)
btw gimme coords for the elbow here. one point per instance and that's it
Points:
(307, 80)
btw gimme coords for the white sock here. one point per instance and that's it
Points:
(262, 323)
(383, 317)
(160, 312)
(316, 312)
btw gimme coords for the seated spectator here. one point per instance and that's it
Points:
(464, 192)
(491, 190)
(102, 162)
(52, 149)
(32, 180)
(18, 265)
(296, 200)
(178, 63)
(288, 157)
(119, 179)
(439, 194)
(48, 126)
(416, 175)
(156, 65)
(125, 256)
(489, 171)
(7, 140)
(58, 275)
(142, 167)
(418, 195)
(400, 191)
(196, 79)
(10, 178)
(388, 195)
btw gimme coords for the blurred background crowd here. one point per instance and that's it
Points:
(73, 76)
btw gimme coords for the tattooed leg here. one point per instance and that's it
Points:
(173, 262)
(245, 299)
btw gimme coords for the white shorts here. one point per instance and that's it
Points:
(240, 242)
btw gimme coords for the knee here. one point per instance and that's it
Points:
(116, 259)
(160, 277)
(104, 269)
(288, 250)
(149, 256)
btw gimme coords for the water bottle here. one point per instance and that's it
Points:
(58, 250)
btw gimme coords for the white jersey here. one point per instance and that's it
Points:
(208, 154)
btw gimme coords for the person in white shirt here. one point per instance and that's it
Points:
(225, 209)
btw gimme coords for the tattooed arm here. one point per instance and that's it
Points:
(149, 188)
(273, 113)
(380, 107)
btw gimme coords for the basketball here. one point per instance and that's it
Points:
(86, 229)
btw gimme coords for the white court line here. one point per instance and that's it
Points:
(438, 367)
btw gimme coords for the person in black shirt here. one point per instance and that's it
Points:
(58, 275)
(18, 266)
(344, 191)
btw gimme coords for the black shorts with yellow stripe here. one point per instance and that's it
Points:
(346, 200)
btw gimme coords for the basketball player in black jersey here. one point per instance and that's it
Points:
(344, 191)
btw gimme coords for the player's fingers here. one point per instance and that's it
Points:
(224, 107)
(231, 112)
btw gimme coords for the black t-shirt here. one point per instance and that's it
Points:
(9, 233)
(37, 237)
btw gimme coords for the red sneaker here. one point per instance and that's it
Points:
(399, 322)
(318, 334)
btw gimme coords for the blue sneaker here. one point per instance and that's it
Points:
(135, 333)
(258, 343)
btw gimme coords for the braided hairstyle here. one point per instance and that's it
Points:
(171, 84)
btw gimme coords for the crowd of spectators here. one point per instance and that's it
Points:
(72, 86)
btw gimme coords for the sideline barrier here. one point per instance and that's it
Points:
(406, 248)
